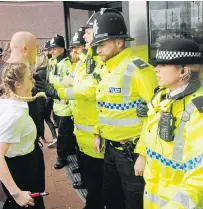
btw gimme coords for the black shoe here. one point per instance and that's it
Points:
(60, 164)
(75, 170)
(78, 185)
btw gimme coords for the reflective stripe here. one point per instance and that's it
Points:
(184, 200)
(126, 82)
(179, 197)
(120, 122)
(85, 128)
(179, 142)
(155, 199)
(187, 166)
(69, 93)
(118, 106)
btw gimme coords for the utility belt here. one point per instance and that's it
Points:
(127, 147)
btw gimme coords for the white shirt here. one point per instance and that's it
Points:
(16, 127)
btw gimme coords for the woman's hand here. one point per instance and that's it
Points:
(23, 199)
(140, 165)
(98, 144)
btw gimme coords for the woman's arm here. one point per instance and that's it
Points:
(21, 197)
(5, 175)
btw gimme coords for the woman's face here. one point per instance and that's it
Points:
(169, 76)
(27, 84)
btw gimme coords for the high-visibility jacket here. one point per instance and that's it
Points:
(174, 170)
(56, 75)
(85, 112)
(129, 82)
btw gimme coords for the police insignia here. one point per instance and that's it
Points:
(95, 27)
(52, 41)
(75, 37)
(90, 65)
(114, 90)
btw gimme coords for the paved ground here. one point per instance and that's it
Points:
(62, 195)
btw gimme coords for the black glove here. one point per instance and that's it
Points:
(142, 110)
(47, 88)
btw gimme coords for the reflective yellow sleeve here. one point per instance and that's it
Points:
(84, 90)
(96, 129)
(62, 93)
(141, 146)
(58, 86)
(145, 82)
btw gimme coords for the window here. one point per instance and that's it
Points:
(171, 19)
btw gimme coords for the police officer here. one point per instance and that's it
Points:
(46, 49)
(171, 142)
(130, 82)
(61, 67)
(87, 77)
(77, 45)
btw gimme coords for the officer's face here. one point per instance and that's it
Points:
(57, 51)
(110, 48)
(88, 36)
(169, 76)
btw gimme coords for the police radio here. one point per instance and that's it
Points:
(166, 127)
(90, 65)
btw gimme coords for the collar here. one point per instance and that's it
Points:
(190, 88)
(116, 60)
(177, 91)
(61, 57)
(15, 103)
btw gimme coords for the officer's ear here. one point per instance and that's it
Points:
(120, 43)
(25, 48)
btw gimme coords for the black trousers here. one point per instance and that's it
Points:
(28, 172)
(121, 188)
(92, 171)
(45, 117)
(66, 139)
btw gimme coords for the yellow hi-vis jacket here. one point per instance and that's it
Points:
(85, 112)
(56, 75)
(174, 170)
(130, 80)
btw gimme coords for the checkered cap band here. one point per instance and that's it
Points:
(187, 166)
(170, 55)
(116, 106)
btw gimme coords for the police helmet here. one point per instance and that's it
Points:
(78, 39)
(1, 52)
(90, 22)
(178, 51)
(109, 24)
(57, 41)
(46, 45)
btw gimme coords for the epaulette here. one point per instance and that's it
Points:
(198, 102)
(140, 64)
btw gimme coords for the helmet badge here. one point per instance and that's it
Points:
(102, 11)
(52, 41)
(75, 37)
(95, 27)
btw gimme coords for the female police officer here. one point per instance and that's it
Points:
(171, 143)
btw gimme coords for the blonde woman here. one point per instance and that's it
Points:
(20, 159)
(44, 106)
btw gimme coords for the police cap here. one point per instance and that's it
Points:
(57, 41)
(109, 24)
